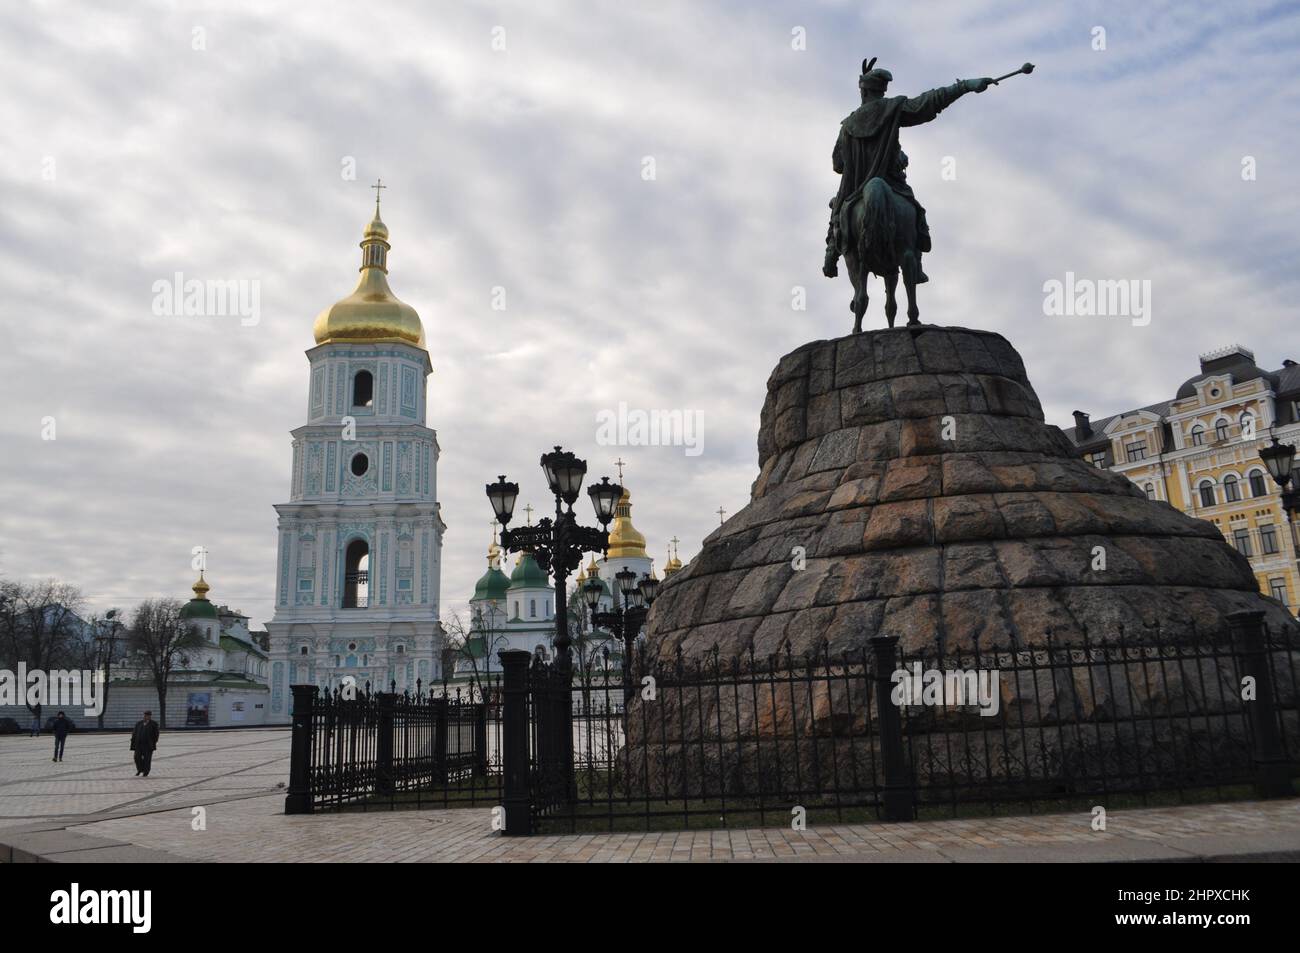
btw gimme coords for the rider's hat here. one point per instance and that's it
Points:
(874, 79)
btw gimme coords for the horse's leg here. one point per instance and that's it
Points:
(909, 282)
(859, 303)
(891, 303)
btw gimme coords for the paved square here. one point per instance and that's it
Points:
(91, 807)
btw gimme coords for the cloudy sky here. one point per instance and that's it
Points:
(139, 140)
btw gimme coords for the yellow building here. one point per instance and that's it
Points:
(1200, 453)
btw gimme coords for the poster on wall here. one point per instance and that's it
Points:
(196, 709)
(237, 710)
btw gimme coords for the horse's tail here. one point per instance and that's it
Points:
(877, 238)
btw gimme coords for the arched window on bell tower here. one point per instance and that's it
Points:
(356, 578)
(363, 389)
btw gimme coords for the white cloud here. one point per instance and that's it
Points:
(522, 169)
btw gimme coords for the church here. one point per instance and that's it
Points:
(360, 540)
(517, 612)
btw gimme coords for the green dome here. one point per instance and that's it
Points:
(528, 575)
(198, 609)
(491, 585)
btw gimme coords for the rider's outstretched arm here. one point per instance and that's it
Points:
(923, 108)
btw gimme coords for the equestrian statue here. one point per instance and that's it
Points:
(876, 222)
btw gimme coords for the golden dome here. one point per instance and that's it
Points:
(201, 588)
(372, 313)
(624, 540)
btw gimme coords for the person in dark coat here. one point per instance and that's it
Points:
(61, 727)
(36, 720)
(144, 738)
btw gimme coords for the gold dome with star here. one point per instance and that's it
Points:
(372, 314)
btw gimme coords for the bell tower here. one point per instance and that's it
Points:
(358, 565)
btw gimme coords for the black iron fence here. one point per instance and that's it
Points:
(883, 734)
(387, 749)
(875, 733)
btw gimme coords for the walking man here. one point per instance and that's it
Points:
(36, 720)
(61, 726)
(144, 738)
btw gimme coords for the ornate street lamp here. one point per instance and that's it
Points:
(1279, 458)
(502, 496)
(557, 545)
(625, 622)
(604, 497)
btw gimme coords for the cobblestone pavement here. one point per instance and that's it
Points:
(97, 774)
(91, 807)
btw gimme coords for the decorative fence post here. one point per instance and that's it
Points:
(384, 744)
(1272, 774)
(298, 800)
(514, 742)
(900, 799)
(438, 708)
(479, 769)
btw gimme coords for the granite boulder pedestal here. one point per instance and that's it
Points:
(908, 486)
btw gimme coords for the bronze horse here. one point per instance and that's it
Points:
(878, 237)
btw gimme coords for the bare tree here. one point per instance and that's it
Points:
(592, 649)
(40, 625)
(477, 644)
(160, 635)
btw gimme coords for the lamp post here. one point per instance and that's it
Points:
(625, 622)
(1279, 458)
(105, 644)
(557, 545)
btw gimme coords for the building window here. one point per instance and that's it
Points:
(303, 650)
(1207, 493)
(1231, 489)
(1098, 459)
(532, 608)
(1221, 430)
(1241, 539)
(363, 389)
(360, 464)
(1151, 491)
(1136, 451)
(1198, 436)
(1278, 588)
(1268, 539)
(1257, 485)
(356, 576)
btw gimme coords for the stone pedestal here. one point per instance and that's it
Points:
(913, 470)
